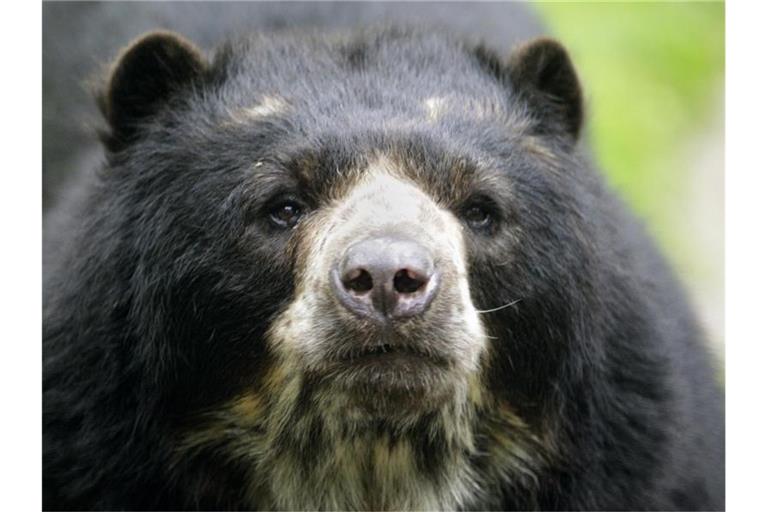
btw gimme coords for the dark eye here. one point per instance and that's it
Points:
(478, 217)
(285, 214)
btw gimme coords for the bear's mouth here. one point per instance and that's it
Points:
(394, 369)
(392, 377)
(392, 353)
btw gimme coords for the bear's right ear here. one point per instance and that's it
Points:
(143, 78)
(543, 72)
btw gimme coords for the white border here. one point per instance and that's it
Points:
(746, 255)
(746, 226)
(21, 257)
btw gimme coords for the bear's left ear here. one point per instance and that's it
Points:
(142, 80)
(543, 72)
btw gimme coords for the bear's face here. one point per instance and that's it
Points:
(330, 248)
(381, 315)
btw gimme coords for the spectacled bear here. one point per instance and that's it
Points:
(369, 271)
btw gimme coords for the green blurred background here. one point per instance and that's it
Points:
(653, 75)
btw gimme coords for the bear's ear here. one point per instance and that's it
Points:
(543, 72)
(142, 79)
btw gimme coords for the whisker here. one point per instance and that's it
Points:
(498, 308)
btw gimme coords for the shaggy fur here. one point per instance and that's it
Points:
(166, 380)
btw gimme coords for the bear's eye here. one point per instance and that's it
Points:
(478, 217)
(285, 214)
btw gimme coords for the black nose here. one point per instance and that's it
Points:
(386, 278)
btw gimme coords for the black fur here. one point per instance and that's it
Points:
(158, 306)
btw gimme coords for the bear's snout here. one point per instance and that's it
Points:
(385, 279)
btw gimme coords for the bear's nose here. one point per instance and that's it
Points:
(386, 278)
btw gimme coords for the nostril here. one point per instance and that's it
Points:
(408, 281)
(358, 280)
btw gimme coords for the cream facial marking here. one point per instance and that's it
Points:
(434, 107)
(543, 153)
(380, 202)
(270, 105)
(481, 109)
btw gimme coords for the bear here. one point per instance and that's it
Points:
(364, 270)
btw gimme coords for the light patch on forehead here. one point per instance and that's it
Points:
(481, 109)
(434, 107)
(534, 146)
(270, 105)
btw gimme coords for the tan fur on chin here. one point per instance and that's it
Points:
(350, 466)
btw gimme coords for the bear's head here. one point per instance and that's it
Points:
(364, 248)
